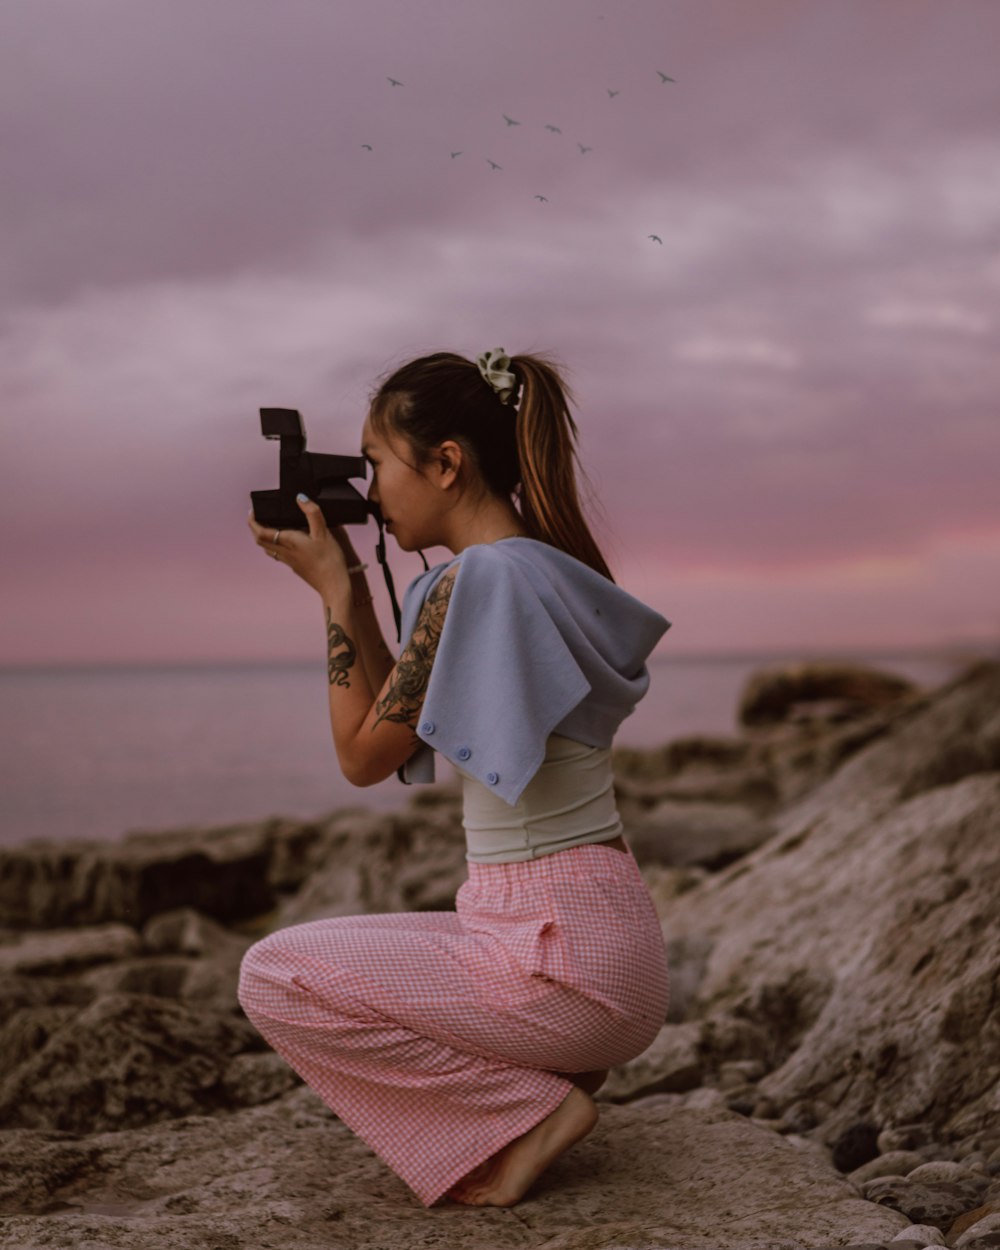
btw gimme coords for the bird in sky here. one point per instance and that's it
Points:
(665, 77)
(395, 82)
(509, 120)
(543, 198)
(655, 237)
(368, 146)
(555, 130)
(584, 150)
(612, 94)
(493, 164)
(454, 154)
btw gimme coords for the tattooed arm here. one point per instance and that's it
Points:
(375, 654)
(374, 735)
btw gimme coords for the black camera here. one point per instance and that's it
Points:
(324, 478)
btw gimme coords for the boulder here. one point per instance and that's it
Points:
(671, 1065)
(66, 950)
(223, 873)
(411, 860)
(863, 936)
(685, 834)
(845, 689)
(124, 1060)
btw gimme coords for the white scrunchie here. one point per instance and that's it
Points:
(494, 365)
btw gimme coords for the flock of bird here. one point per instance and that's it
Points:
(584, 149)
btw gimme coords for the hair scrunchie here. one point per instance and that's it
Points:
(494, 365)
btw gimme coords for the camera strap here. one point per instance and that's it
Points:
(387, 573)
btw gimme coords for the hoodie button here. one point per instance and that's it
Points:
(427, 727)
(492, 778)
(463, 753)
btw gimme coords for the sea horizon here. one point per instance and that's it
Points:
(960, 648)
(99, 750)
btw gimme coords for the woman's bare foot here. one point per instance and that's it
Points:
(508, 1175)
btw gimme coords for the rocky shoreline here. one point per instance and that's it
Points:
(827, 1075)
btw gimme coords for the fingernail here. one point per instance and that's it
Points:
(302, 498)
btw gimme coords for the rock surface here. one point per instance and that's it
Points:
(289, 1175)
(864, 935)
(834, 1007)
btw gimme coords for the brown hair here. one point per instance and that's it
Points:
(527, 453)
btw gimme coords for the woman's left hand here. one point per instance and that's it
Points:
(317, 557)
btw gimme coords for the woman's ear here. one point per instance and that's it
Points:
(447, 463)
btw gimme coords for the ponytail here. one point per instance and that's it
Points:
(546, 451)
(527, 454)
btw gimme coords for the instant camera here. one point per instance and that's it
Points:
(324, 478)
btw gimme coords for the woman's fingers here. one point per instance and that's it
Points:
(265, 535)
(315, 556)
(317, 522)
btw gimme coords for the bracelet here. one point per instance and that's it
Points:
(357, 568)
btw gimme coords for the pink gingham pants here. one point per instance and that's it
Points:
(439, 1037)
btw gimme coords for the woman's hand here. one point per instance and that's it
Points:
(321, 557)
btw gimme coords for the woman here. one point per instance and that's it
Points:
(464, 1046)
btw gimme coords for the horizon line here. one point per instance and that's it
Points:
(958, 650)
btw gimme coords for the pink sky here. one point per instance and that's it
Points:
(788, 408)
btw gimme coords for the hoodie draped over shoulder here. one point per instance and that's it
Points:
(534, 642)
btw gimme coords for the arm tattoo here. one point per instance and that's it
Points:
(338, 666)
(404, 698)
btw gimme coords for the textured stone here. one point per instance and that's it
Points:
(63, 950)
(943, 1170)
(671, 1065)
(223, 874)
(288, 1176)
(862, 937)
(771, 693)
(125, 1060)
(687, 833)
(976, 1232)
(895, 1163)
(904, 1137)
(922, 1234)
(937, 1203)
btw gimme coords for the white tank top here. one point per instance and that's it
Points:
(569, 802)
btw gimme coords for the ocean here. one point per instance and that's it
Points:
(96, 752)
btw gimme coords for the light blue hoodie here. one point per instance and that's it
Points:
(534, 642)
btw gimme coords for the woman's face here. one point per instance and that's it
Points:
(410, 505)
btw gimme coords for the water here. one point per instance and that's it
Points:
(95, 752)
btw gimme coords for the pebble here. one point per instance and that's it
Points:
(923, 1234)
(737, 1071)
(800, 1117)
(939, 1203)
(904, 1137)
(895, 1163)
(942, 1170)
(966, 1221)
(989, 1224)
(705, 1098)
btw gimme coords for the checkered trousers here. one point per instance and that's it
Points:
(439, 1037)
